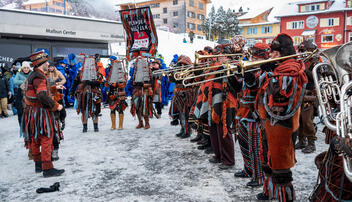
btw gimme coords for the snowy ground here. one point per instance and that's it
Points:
(131, 165)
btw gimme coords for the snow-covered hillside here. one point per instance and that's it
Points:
(170, 44)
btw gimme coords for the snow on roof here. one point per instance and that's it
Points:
(34, 2)
(122, 2)
(262, 23)
(311, 1)
(291, 9)
(253, 13)
(10, 6)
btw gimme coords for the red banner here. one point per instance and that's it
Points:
(142, 39)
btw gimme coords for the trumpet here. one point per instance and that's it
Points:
(198, 57)
(244, 66)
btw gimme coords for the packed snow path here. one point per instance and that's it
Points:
(131, 165)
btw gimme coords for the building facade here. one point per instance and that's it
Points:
(325, 22)
(60, 35)
(178, 16)
(49, 6)
(259, 26)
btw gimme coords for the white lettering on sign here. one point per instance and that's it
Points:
(6, 59)
(140, 43)
(312, 21)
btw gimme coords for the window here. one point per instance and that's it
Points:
(191, 14)
(58, 11)
(350, 36)
(164, 10)
(251, 30)
(201, 6)
(267, 29)
(191, 3)
(156, 16)
(175, 13)
(175, 2)
(349, 3)
(297, 40)
(44, 9)
(199, 27)
(175, 25)
(297, 25)
(165, 21)
(52, 10)
(327, 38)
(241, 30)
(313, 7)
(201, 17)
(34, 9)
(191, 26)
(331, 22)
(157, 5)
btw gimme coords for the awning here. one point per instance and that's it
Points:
(308, 33)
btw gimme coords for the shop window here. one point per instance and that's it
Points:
(58, 11)
(43, 9)
(350, 36)
(327, 38)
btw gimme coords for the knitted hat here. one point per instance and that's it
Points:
(38, 59)
(260, 50)
(284, 44)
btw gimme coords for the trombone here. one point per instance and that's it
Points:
(198, 56)
(245, 66)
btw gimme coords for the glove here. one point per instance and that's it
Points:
(54, 187)
(10, 95)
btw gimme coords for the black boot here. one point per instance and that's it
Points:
(96, 129)
(241, 174)
(262, 197)
(185, 135)
(197, 138)
(310, 148)
(182, 131)
(203, 140)
(53, 172)
(209, 150)
(174, 122)
(38, 167)
(301, 143)
(63, 125)
(253, 183)
(85, 128)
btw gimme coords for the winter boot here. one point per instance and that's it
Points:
(209, 150)
(203, 140)
(262, 197)
(310, 148)
(301, 143)
(253, 183)
(185, 135)
(180, 133)
(85, 128)
(140, 125)
(55, 155)
(38, 167)
(241, 174)
(120, 121)
(174, 122)
(53, 172)
(146, 119)
(30, 156)
(96, 129)
(197, 138)
(113, 121)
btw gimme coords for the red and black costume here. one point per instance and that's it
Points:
(117, 79)
(86, 88)
(38, 125)
(281, 92)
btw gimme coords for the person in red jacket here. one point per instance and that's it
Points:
(38, 121)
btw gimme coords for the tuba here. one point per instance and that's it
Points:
(334, 90)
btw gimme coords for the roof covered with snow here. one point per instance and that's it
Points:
(10, 6)
(122, 2)
(256, 24)
(291, 9)
(34, 2)
(255, 12)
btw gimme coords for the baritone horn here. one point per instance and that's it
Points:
(335, 102)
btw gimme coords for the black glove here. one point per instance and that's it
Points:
(54, 187)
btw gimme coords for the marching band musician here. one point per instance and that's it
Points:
(142, 105)
(248, 125)
(156, 81)
(281, 91)
(86, 88)
(116, 80)
(306, 126)
(38, 122)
